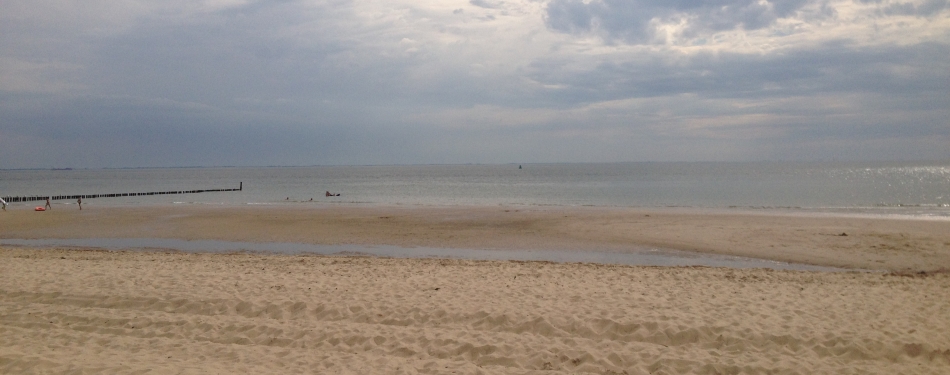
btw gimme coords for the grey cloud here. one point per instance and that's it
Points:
(118, 132)
(287, 83)
(894, 93)
(629, 21)
(624, 20)
(836, 67)
(236, 56)
(928, 8)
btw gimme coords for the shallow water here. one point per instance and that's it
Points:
(639, 257)
(905, 188)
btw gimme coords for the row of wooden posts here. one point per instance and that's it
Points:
(88, 196)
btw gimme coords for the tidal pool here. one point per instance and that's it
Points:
(645, 256)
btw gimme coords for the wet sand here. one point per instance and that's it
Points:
(835, 241)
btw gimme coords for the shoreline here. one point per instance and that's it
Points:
(874, 243)
(870, 212)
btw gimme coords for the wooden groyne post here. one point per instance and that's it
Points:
(33, 198)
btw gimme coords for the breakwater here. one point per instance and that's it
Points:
(33, 198)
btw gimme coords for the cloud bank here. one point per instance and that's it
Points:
(241, 82)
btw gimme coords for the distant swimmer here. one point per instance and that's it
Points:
(329, 194)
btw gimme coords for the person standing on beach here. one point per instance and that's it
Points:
(4, 204)
(79, 201)
(47, 203)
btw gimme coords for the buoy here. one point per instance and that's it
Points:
(38, 208)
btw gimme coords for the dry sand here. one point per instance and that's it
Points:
(73, 311)
(86, 311)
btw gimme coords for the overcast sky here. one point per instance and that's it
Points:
(112, 83)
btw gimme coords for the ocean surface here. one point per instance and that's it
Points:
(893, 188)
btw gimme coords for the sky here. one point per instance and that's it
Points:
(126, 83)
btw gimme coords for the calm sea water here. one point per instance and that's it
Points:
(903, 188)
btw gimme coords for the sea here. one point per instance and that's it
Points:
(917, 189)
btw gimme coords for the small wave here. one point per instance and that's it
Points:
(928, 205)
(769, 207)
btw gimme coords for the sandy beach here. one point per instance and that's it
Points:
(72, 310)
(824, 240)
